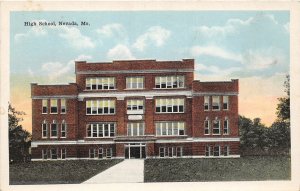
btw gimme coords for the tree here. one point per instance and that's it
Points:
(283, 107)
(19, 139)
(252, 133)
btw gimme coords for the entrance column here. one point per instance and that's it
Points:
(120, 150)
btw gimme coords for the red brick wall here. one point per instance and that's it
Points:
(199, 147)
(70, 116)
(199, 116)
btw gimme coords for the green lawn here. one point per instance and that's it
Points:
(57, 172)
(222, 169)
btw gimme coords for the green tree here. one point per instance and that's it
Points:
(283, 107)
(19, 139)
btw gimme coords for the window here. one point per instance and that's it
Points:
(225, 102)
(53, 129)
(63, 129)
(53, 106)
(170, 152)
(44, 154)
(179, 151)
(44, 129)
(101, 130)
(216, 127)
(161, 151)
(216, 102)
(206, 103)
(170, 128)
(135, 129)
(206, 126)
(226, 126)
(100, 107)
(53, 153)
(134, 82)
(207, 150)
(166, 82)
(100, 153)
(45, 106)
(169, 105)
(63, 153)
(108, 152)
(63, 108)
(102, 83)
(135, 106)
(216, 150)
(92, 153)
(226, 150)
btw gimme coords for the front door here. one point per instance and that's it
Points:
(135, 151)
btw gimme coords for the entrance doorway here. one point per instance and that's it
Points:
(135, 150)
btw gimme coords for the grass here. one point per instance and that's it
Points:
(57, 172)
(250, 168)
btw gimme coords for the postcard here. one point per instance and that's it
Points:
(150, 95)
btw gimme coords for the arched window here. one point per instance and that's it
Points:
(206, 126)
(226, 126)
(53, 132)
(63, 130)
(44, 129)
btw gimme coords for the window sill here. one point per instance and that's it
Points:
(99, 137)
(170, 113)
(100, 90)
(169, 88)
(134, 89)
(53, 113)
(102, 114)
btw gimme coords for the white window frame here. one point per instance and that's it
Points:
(226, 126)
(216, 104)
(171, 128)
(63, 106)
(97, 105)
(226, 151)
(207, 126)
(63, 129)
(162, 151)
(101, 152)
(206, 103)
(45, 154)
(44, 105)
(219, 126)
(44, 129)
(100, 83)
(132, 81)
(63, 153)
(207, 150)
(92, 151)
(170, 82)
(51, 129)
(97, 128)
(219, 150)
(138, 126)
(52, 105)
(52, 154)
(135, 106)
(109, 153)
(173, 104)
(226, 102)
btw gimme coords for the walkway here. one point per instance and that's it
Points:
(130, 170)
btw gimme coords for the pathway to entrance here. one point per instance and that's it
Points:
(130, 170)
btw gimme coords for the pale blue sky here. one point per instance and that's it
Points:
(252, 46)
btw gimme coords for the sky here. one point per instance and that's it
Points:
(252, 46)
